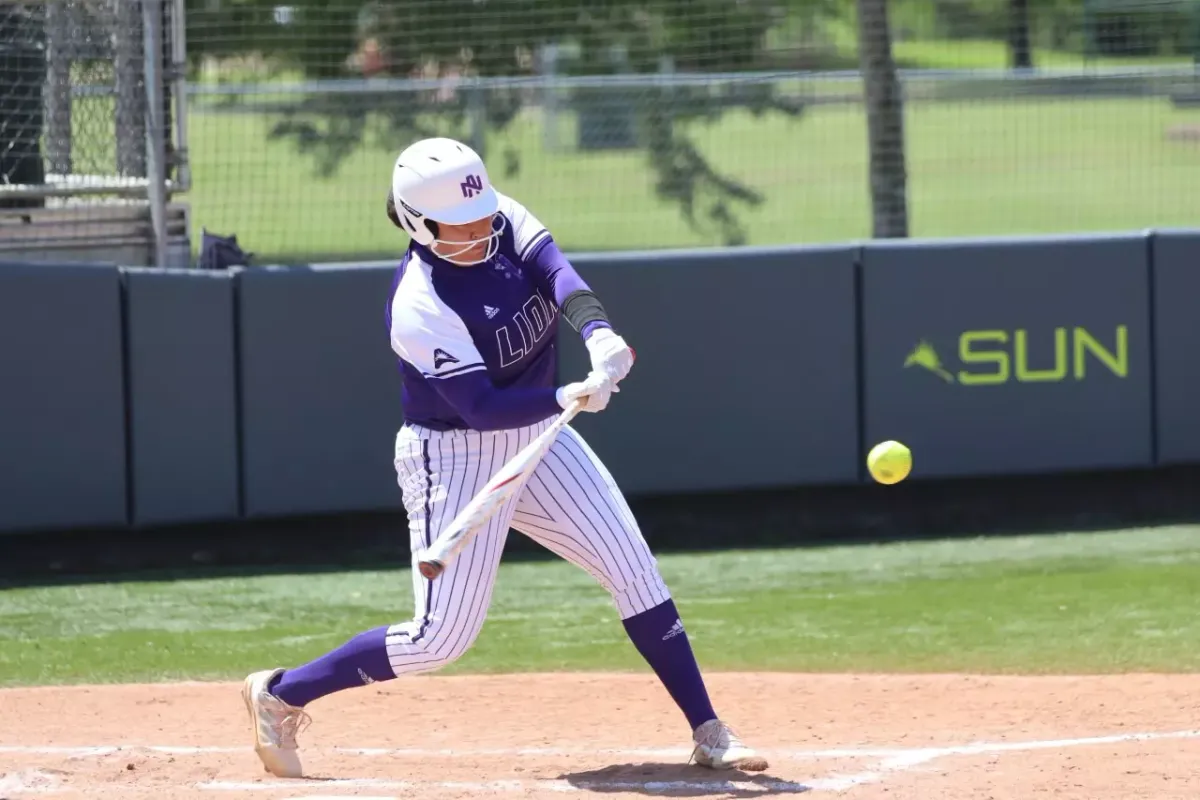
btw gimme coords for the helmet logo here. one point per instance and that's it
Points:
(471, 186)
(411, 210)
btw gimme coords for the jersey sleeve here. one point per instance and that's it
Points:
(432, 338)
(528, 231)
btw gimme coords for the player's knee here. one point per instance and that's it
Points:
(450, 639)
(640, 591)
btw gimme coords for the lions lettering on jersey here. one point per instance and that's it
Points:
(531, 323)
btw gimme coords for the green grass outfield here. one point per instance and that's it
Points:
(1072, 603)
(976, 168)
(994, 54)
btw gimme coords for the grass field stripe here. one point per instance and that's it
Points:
(1144, 580)
(901, 754)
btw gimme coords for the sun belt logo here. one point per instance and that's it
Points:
(472, 186)
(994, 357)
(923, 355)
(441, 358)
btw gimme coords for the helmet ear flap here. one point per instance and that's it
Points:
(423, 231)
(391, 211)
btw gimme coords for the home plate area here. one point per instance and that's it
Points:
(533, 736)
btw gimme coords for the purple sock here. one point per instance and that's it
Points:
(659, 636)
(361, 660)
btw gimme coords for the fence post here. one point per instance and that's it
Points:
(182, 159)
(130, 101)
(156, 146)
(59, 56)
(885, 122)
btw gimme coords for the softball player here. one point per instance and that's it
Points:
(472, 318)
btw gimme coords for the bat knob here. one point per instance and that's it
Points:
(431, 569)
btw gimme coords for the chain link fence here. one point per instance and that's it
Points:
(88, 153)
(660, 123)
(623, 124)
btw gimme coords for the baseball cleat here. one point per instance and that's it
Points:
(276, 725)
(718, 747)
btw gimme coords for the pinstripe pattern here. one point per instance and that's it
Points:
(571, 505)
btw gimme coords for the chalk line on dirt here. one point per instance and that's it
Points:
(924, 753)
(34, 781)
(894, 760)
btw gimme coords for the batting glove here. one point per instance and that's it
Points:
(597, 388)
(609, 353)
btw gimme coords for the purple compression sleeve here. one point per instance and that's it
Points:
(552, 266)
(487, 408)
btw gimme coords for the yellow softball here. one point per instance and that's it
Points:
(889, 462)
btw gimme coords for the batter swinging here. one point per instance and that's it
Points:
(472, 318)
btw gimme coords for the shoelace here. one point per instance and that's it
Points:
(713, 738)
(292, 722)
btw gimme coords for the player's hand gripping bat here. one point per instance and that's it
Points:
(504, 484)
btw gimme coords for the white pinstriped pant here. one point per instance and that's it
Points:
(571, 505)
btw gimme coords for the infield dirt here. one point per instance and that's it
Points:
(1116, 737)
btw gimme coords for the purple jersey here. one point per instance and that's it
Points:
(466, 335)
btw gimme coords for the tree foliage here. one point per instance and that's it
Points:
(503, 38)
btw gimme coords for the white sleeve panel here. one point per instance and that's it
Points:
(426, 332)
(527, 229)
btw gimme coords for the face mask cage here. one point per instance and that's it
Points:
(455, 251)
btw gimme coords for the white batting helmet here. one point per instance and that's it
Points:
(444, 181)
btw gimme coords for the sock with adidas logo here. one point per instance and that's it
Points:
(362, 660)
(659, 636)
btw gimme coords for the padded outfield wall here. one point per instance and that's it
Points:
(136, 397)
